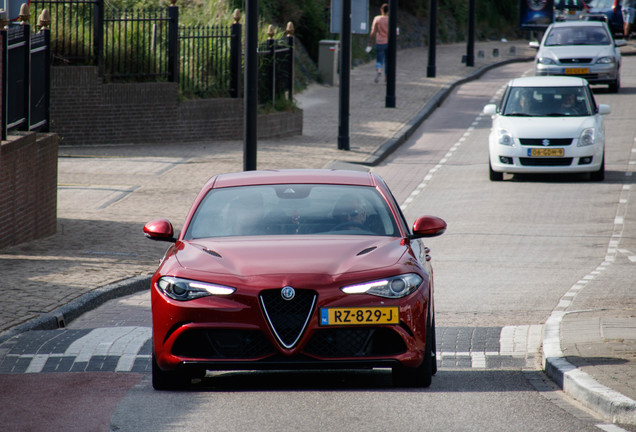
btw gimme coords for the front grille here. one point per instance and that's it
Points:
(545, 161)
(288, 318)
(222, 344)
(560, 142)
(355, 342)
(570, 61)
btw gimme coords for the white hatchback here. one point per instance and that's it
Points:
(547, 125)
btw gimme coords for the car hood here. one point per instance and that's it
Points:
(260, 256)
(544, 127)
(577, 51)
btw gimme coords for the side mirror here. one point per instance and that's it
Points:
(160, 229)
(490, 109)
(603, 109)
(534, 44)
(428, 226)
(620, 43)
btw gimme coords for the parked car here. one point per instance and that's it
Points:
(567, 10)
(294, 269)
(547, 125)
(580, 48)
(611, 10)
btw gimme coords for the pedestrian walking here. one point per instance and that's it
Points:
(380, 31)
(628, 16)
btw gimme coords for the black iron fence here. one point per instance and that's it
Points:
(25, 79)
(276, 70)
(149, 45)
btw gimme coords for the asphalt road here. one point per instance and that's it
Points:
(511, 252)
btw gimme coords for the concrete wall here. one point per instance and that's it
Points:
(84, 110)
(28, 187)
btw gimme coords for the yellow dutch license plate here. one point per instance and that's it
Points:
(542, 152)
(360, 315)
(577, 71)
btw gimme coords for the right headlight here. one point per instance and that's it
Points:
(186, 289)
(546, 61)
(505, 138)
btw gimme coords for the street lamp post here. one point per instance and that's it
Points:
(251, 85)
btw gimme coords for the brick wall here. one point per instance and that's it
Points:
(84, 110)
(28, 187)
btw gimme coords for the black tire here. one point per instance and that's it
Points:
(494, 175)
(434, 348)
(422, 375)
(615, 86)
(162, 380)
(600, 174)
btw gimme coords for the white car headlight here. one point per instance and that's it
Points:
(505, 138)
(606, 60)
(587, 138)
(546, 61)
(393, 287)
(185, 289)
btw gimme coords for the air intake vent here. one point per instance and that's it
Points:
(288, 318)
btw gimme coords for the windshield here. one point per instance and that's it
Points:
(548, 101)
(579, 35)
(292, 209)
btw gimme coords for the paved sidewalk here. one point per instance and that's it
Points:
(107, 193)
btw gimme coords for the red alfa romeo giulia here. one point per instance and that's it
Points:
(294, 269)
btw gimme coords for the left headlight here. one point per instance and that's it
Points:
(587, 138)
(185, 289)
(606, 60)
(393, 287)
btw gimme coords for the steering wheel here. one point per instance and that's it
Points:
(342, 225)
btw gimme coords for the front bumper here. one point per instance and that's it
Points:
(516, 159)
(220, 334)
(596, 74)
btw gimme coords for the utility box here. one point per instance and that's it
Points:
(328, 55)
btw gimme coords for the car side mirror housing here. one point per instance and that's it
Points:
(620, 43)
(428, 226)
(161, 230)
(534, 44)
(603, 109)
(490, 109)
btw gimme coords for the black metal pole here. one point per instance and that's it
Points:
(235, 60)
(173, 44)
(345, 70)
(432, 38)
(98, 36)
(392, 56)
(251, 85)
(470, 46)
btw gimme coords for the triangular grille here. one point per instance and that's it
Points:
(288, 318)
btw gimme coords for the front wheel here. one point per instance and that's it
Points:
(494, 175)
(171, 380)
(420, 376)
(600, 174)
(615, 86)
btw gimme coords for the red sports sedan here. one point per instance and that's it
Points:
(294, 269)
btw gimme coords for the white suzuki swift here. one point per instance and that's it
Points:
(547, 125)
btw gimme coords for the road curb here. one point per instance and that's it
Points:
(63, 315)
(609, 403)
(407, 130)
